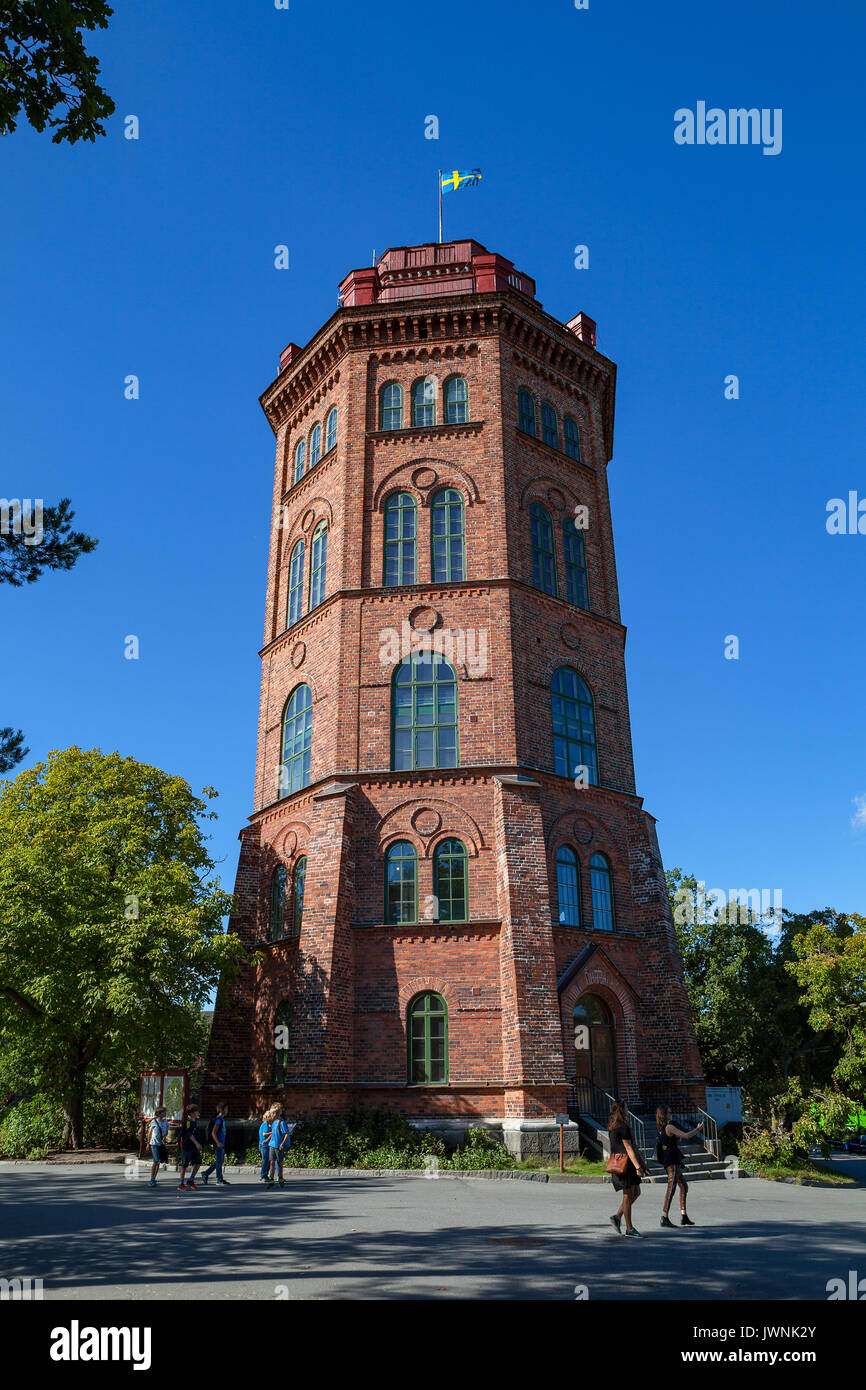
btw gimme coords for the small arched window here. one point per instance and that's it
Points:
(299, 883)
(300, 458)
(602, 893)
(296, 584)
(456, 401)
(282, 1023)
(572, 437)
(330, 429)
(391, 407)
(315, 445)
(526, 412)
(568, 886)
(449, 882)
(318, 564)
(573, 725)
(401, 883)
(278, 903)
(424, 401)
(549, 425)
(575, 564)
(543, 556)
(424, 713)
(427, 1037)
(297, 740)
(447, 536)
(400, 539)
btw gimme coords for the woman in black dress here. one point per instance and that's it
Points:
(628, 1183)
(670, 1156)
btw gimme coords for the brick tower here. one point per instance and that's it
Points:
(457, 897)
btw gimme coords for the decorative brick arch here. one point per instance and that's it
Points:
(454, 823)
(599, 977)
(392, 484)
(321, 511)
(419, 985)
(533, 491)
(282, 845)
(562, 832)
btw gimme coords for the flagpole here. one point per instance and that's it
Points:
(440, 207)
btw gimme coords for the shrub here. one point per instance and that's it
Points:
(765, 1148)
(480, 1150)
(31, 1128)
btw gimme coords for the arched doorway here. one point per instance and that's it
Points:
(595, 1048)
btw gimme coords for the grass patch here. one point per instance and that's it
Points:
(800, 1171)
(580, 1167)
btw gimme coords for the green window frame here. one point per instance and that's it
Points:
(574, 550)
(282, 1019)
(543, 552)
(424, 713)
(299, 883)
(331, 429)
(391, 406)
(277, 919)
(315, 445)
(424, 402)
(401, 883)
(568, 886)
(573, 713)
(297, 741)
(427, 1040)
(602, 893)
(549, 425)
(300, 459)
(400, 540)
(571, 434)
(456, 396)
(295, 605)
(318, 564)
(526, 412)
(447, 536)
(451, 881)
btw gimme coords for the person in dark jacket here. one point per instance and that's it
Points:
(671, 1159)
(628, 1183)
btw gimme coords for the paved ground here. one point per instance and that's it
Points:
(89, 1232)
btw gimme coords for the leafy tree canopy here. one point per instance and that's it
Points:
(46, 71)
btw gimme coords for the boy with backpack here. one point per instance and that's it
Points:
(156, 1139)
(190, 1149)
(217, 1132)
(281, 1137)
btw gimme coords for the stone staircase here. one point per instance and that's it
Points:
(699, 1164)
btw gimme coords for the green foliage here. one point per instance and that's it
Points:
(829, 965)
(379, 1139)
(480, 1150)
(45, 66)
(31, 1128)
(12, 750)
(59, 548)
(767, 1148)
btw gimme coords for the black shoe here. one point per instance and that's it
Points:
(204, 1179)
(666, 1221)
(686, 1222)
(614, 1221)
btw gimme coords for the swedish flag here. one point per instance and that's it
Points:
(459, 179)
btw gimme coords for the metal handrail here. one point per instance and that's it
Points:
(712, 1143)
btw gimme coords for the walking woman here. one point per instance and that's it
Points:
(671, 1158)
(628, 1181)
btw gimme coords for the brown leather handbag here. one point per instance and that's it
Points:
(617, 1163)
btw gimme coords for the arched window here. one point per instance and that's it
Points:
(549, 425)
(424, 713)
(401, 883)
(543, 557)
(526, 412)
(330, 429)
(299, 883)
(574, 550)
(602, 893)
(449, 881)
(391, 407)
(427, 1030)
(297, 738)
(400, 543)
(447, 536)
(572, 437)
(282, 1022)
(456, 401)
(318, 564)
(296, 584)
(568, 886)
(573, 725)
(315, 445)
(424, 401)
(300, 457)
(278, 903)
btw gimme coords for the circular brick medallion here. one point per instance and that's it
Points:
(424, 619)
(583, 832)
(290, 844)
(570, 636)
(424, 477)
(555, 497)
(307, 519)
(426, 822)
(299, 651)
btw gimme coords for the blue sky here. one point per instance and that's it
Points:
(306, 127)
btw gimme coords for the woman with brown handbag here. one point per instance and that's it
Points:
(625, 1166)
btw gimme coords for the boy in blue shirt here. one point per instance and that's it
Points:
(281, 1136)
(265, 1143)
(218, 1135)
(190, 1149)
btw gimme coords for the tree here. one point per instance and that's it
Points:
(830, 967)
(111, 935)
(12, 750)
(44, 66)
(58, 547)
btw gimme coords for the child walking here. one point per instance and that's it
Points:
(156, 1139)
(265, 1142)
(190, 1149)
(280, 1138)
(218, 1135)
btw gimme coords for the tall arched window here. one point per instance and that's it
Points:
(549, 425)
(424, 713)
(456, 401)
(297, 738)
(573, 725)
(318, 564)
(449, 882)
(602, 893)
(424, 401)
(278, 903)
(568, 886)
(575, 564)
(300, 457)
(572, 437)
(296, 584)
(299, 883)
(330, 429)
(427, 1035)
(526, 412)
(401, 882)
(401, 539)
(391, 407)
(315, 445)
(282, 1023)
(543, 556)
(447, 536)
